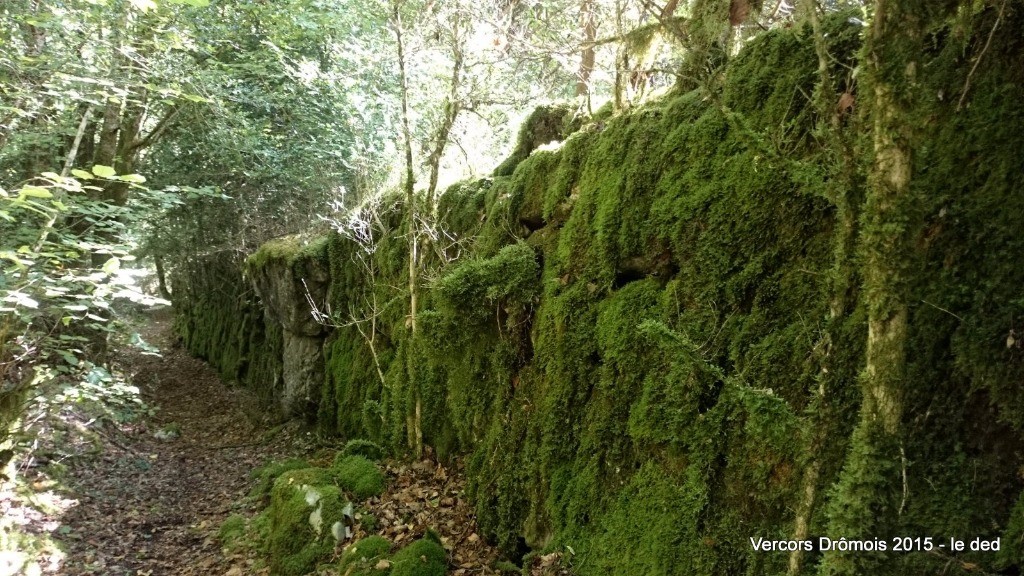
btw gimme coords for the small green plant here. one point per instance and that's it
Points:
(369, 522)
(506, 567)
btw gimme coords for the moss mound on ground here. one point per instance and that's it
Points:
(361, 558)
(424, 557)
(232, 528)
(366, 448)
(359, 475)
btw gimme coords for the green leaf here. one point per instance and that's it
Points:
(196, 3)
(111, 266)
(104, 171)
(133, 178)
(35, 192)
(68, 357)
(81, 174)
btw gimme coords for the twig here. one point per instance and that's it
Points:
(960, 318)
(903, 464)
(230, 446)
(991, 34)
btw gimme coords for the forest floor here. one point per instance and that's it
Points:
(147, 496)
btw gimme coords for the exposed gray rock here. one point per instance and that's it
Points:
(283, 286)
(303, 373)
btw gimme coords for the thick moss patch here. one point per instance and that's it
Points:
(267, 474)
(424, 557)
(361, 558)
(366, 448)
(306, 520)
(359, 475)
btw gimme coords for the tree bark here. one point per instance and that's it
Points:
(588, 56)
(452, 108)
(889, 233)
(414, 434)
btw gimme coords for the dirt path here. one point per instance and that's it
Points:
(150, 502)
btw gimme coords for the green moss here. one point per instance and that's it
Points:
(306, 519)
(361, 557)
(369, 522)
(365, 448)
(267, 474)
(218, 321)
(632, 343)
(359, 475)
(289, 249)
(544, 124)
(475, 287)
(424, 557)
(231, 529)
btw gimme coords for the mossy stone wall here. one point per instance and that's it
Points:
(629, 340)
(219, 320)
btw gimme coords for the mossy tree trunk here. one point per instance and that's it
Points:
(872, 488)
(840, 191)
(588, 23)
(450, 112)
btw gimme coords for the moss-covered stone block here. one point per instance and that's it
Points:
(545, 124)
(359, 475)
(475, 287)
(284, 271)
(306, 520)
(267, 474)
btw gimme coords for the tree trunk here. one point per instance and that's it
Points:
(891, 227)
(872, 490)
(414, 435)
(452, 107)
(588, 56)
(840, 187)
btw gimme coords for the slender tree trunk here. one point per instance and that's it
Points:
(413, 432)
(887, 237)
(106, 149)
(622, 64)
(452, 108)
(68, 163)
(588, 22)
(841, 184)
